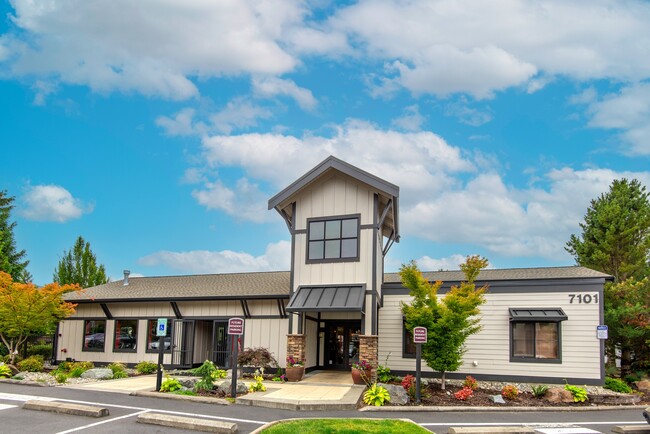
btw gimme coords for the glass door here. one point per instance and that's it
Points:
(183, 343)
(342, 344)
(220, 347)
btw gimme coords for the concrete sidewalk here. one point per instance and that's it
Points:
(142, 383)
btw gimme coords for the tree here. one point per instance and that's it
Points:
(616, 240)
(11, 260)
(449, 320)
(79, 266)
(26, 310)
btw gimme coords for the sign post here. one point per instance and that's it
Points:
(161, 332)
(235, 329)
(419, 338)
(602, 332)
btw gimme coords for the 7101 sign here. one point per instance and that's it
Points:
(583, 298)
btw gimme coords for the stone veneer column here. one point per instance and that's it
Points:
(296, 346)
(369, 351)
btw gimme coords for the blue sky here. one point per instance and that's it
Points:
(158, 131)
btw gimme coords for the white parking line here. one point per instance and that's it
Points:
(6, 406)
(22, 398)
(102, 422)
(537, 424)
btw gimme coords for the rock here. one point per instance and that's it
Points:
(558, 394)
(98, 374)
(188, 383)
(497, 399)
(643, 386)
(398, 395)
(226, 387)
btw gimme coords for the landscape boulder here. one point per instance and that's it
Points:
(98, 374)
(398, 395)
(643, 386)
(497, 399)
(225, 387)
(188, 383)
(558, 394)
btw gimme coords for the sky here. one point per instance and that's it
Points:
(158, 130)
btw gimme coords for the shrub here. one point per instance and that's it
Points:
(76, 371)
(408, 382)
(376, 395)
(145, 367)
(119, 370)
(31, 364)
(61, 378)
(44, 350)
(539, 390)
(5, 372)
(509, 392)
(257, 386)
(260, 357)
(579, 393)
(470, 382)
(464, 394)
(206, 371)
(617, 385)
(170, 385)
(17, 377)
(383, 374)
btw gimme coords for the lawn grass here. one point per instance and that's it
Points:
(346, 426)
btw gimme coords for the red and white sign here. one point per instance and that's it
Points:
(235, 326)
(419, 335)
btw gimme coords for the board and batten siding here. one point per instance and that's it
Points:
(268, 333)
(488, 351)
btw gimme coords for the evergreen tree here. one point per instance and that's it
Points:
(79, 266)
(449, 320)
(12, 261)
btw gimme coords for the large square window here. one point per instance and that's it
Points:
(153, 341)
(535, 341)
(333, 239)
(94, 335)
(126, 335)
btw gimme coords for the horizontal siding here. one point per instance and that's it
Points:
(490, 348)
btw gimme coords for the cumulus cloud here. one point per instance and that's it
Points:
(238, 114)
(277, 257)
(273, 86)
(245, 201)
(181, 124)
(452, 262)
(466, 114)
(52, 203)
(411, 120)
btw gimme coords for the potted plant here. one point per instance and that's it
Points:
(361, 372)
(295, 369)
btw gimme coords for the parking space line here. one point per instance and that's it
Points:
(6, 406)
(103, 422)
(531, 424)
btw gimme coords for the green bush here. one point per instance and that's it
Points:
(145, 367)
(44, 350)
(18, 377)
(617, 385)
(61, 378)
(119, 370)
(73, 369)
(376, 395)
(3, 349)
(579, 393)
(170, 385)
(5, 372)
(184, 392)
(76, 372)
(384, 375)
(31, 364)
(540, 390)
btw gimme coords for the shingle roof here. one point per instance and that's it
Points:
(251, 285)
(572, 272)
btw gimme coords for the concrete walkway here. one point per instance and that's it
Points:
(141, 383)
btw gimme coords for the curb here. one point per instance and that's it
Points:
(275, 422)
(201, 399)
(416, 409)
(349, 402)
(191, 423)
(631, 429)
(24, 383)
(66, 408)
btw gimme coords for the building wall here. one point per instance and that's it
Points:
(268, 333)
(490, 348)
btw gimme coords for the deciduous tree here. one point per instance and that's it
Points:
(12, 261)
(449, 320)
(26, 310)
(79, 266)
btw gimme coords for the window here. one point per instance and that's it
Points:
(333, 239)
(153, 341)
(535, 335)
(94, 332)
(408, 346)
(126, 335)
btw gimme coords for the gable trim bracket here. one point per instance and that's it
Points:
(106, 310)
(177, 311)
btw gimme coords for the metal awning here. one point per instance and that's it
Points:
(555, 314)
(328, 299)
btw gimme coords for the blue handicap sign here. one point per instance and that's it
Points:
(162, 327)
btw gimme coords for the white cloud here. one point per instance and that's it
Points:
(467, 115)
(272, 86)
(239, 113)
(182, 124)
(277, 257)
(411, 120)
(42, 89)
(245, 201)
(52, 203)
(452, 262)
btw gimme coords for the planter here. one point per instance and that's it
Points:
(361, 376)
(295, 374)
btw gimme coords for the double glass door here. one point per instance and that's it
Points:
(342, 344)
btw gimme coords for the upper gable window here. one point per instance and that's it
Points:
(333, 239)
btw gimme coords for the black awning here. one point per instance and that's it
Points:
(554, 314)
(328, 298)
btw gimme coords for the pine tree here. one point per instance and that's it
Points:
(11, 261)
(79, 266)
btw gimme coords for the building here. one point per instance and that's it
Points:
(336, 305)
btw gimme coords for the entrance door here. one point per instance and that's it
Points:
(342, 344)
(220, 347)
(183, 343)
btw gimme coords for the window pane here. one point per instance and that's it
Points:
(332, 229)
(153, 340)
(126, 334)
(332, 249)
(523, 339)
(349, 248)
(316, 230)
(316, 249)
(349, 228)
(94, 335)
(547, 340)
(409, 345)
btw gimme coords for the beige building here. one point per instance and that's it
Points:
(336, 305)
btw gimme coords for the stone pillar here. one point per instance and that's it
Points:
(296, 346)
(369, 351)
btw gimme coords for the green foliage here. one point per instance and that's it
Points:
(31, 364)
(12, 261)
(346, 426)
(376, 395)
(617, 385)
(76, 372)
(146, 367)
(208, 373)
(449, 320)
(44, 350)
(259, 357)
(540, 390)
(509, 392)
(5, 372)
(257, 386)
(61, 377)
(18, 377)
(579, 393)
(384, 375)
(170, 385)
(470, 382)
(79, 266)
(119, 370)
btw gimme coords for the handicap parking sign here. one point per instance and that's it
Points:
(161, 330)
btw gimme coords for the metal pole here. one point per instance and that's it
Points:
(233, 386)
(161, 350)
(418, 366)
